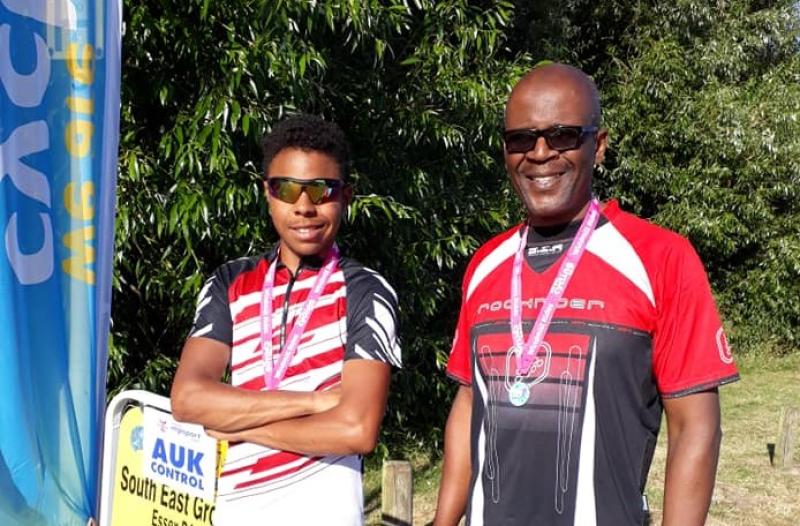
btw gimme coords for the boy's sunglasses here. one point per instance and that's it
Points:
(560, 138)
(288, 189)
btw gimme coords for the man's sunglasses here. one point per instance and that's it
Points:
(560, 138)
(288, 189)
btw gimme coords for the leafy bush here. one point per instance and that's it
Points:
(702, 100)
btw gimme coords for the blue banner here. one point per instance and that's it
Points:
(59, 133)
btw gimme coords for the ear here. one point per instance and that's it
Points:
(600, 147)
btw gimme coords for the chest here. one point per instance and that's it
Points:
(261, 338)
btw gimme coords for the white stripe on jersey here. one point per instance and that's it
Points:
(383, 327)
(313, 377)
(251, 328)
(610, 245)
(203, 299)
(254, 298)
(383, 282)
(244, 301)
(585, 507)
(504, 250)
(476, 505)
(205, 330)
(320, 340)
(352, 462)
(227, 484)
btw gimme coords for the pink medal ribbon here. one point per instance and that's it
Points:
(526, 352)
(274, 374)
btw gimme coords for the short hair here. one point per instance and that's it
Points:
(307, 132)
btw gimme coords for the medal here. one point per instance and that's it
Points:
(526, 351)
(519, 393)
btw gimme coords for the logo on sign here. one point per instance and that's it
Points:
(179, 455)
(182, 464)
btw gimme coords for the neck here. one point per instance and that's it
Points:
(289, 260)
(557, 221)
(292, 260)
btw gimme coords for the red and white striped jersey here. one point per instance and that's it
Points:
(355, 318)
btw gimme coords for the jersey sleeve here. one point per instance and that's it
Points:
(212, 317)
(458, 365)
(690, 350)
(372, 319)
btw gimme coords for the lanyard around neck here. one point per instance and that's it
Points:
(528, 350)
(274, 373)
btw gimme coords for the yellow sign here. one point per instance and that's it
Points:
(141, 501)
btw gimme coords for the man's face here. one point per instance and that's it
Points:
(554, 185)
(305, 228)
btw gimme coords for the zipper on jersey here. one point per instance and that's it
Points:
(285, 316)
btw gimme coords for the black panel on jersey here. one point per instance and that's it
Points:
(545, 245)
(531, 456)
(371, 315)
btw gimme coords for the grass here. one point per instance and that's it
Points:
(749, 491)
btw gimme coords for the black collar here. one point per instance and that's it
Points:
(546, 234)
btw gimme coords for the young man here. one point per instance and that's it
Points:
(576, 329)
(310, 337)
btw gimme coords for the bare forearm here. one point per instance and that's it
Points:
(200, 397)
(326, 433)
(456, 471)
(694, 436)
(689, 481)
(219, 406)
(350, 427)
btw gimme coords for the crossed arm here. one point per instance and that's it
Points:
(342, 421)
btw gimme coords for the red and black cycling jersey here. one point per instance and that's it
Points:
(637, 324)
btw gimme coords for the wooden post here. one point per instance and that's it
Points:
(397, 494)
(787, 437)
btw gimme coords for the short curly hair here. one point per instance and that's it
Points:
(308, 132)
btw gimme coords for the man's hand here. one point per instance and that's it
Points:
(456, 471)
(694, 435)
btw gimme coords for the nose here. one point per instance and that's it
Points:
(541, 151)
(304, 206)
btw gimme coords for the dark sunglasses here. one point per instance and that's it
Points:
(560, 138)
(288, 189)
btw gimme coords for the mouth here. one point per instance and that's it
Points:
(543, 181)
(307, 231)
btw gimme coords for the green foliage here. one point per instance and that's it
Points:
(419, 89)
(707, 124)
(702, 100)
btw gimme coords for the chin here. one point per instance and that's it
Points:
(547, 212)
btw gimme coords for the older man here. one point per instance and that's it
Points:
(577, 328)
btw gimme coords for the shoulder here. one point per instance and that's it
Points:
(501, 243)
(234, 268)
(489, 256)
(654, 258)
(241, 273)
(363, 282)
(654, 244)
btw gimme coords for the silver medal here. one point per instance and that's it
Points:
(519, 393)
